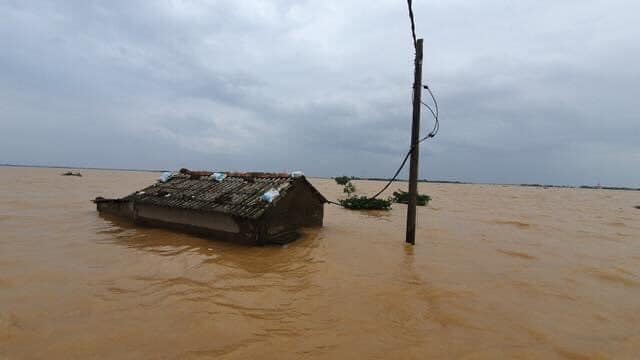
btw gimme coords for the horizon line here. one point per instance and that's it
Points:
(604, 187)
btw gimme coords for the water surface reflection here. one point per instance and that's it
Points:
(497, 272)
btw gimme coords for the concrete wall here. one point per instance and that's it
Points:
(116, 207)
(300, 208)
(199, 219)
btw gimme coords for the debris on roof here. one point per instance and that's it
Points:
(247, 195)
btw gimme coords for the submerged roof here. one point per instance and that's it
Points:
(238, 194)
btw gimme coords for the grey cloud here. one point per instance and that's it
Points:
(529, 91)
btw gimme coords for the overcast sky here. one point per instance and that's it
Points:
(530, 91)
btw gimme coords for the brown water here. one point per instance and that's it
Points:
(497, 272)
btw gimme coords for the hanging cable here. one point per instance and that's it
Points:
(435, 102)
(436, 125)
(436, 128)
(435, 114)
(404, 161)
(413, 24)
(431, 111)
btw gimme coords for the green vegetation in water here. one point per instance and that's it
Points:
(342, 180)
(365, 203)
(349, 188)
(361, 202)
(403, 198)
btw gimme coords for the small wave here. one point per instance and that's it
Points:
(571, 355)
(517, 254)
(519, 224)
(376, 214)
(612, 277)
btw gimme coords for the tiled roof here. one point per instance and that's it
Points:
(238, 194)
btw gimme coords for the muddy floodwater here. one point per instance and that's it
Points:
(497, 272)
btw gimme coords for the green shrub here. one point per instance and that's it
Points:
(402, 197)
(365, 203)
(342, 180)
(349, 189)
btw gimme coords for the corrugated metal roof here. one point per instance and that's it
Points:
(237, 194)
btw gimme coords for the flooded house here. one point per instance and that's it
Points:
(250, 208)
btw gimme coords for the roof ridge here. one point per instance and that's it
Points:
(237, 195)
(245, 174)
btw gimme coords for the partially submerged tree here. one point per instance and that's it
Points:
(402, 197)
(349, 189)
(342, 180)
(365, 203)
(362, 202)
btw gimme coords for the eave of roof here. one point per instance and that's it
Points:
(237, 195)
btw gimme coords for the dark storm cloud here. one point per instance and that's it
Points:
(530, 91)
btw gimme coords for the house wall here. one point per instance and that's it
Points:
(116, 207)
(215, 225)
(305, 209)
(200, 219)
(299, 208)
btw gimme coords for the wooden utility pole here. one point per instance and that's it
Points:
(415, 152)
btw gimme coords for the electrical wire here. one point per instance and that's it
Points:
(431, 134)
(436, 124)
(435, 114)
(404, 161)
(435, 102)
(413, 24)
